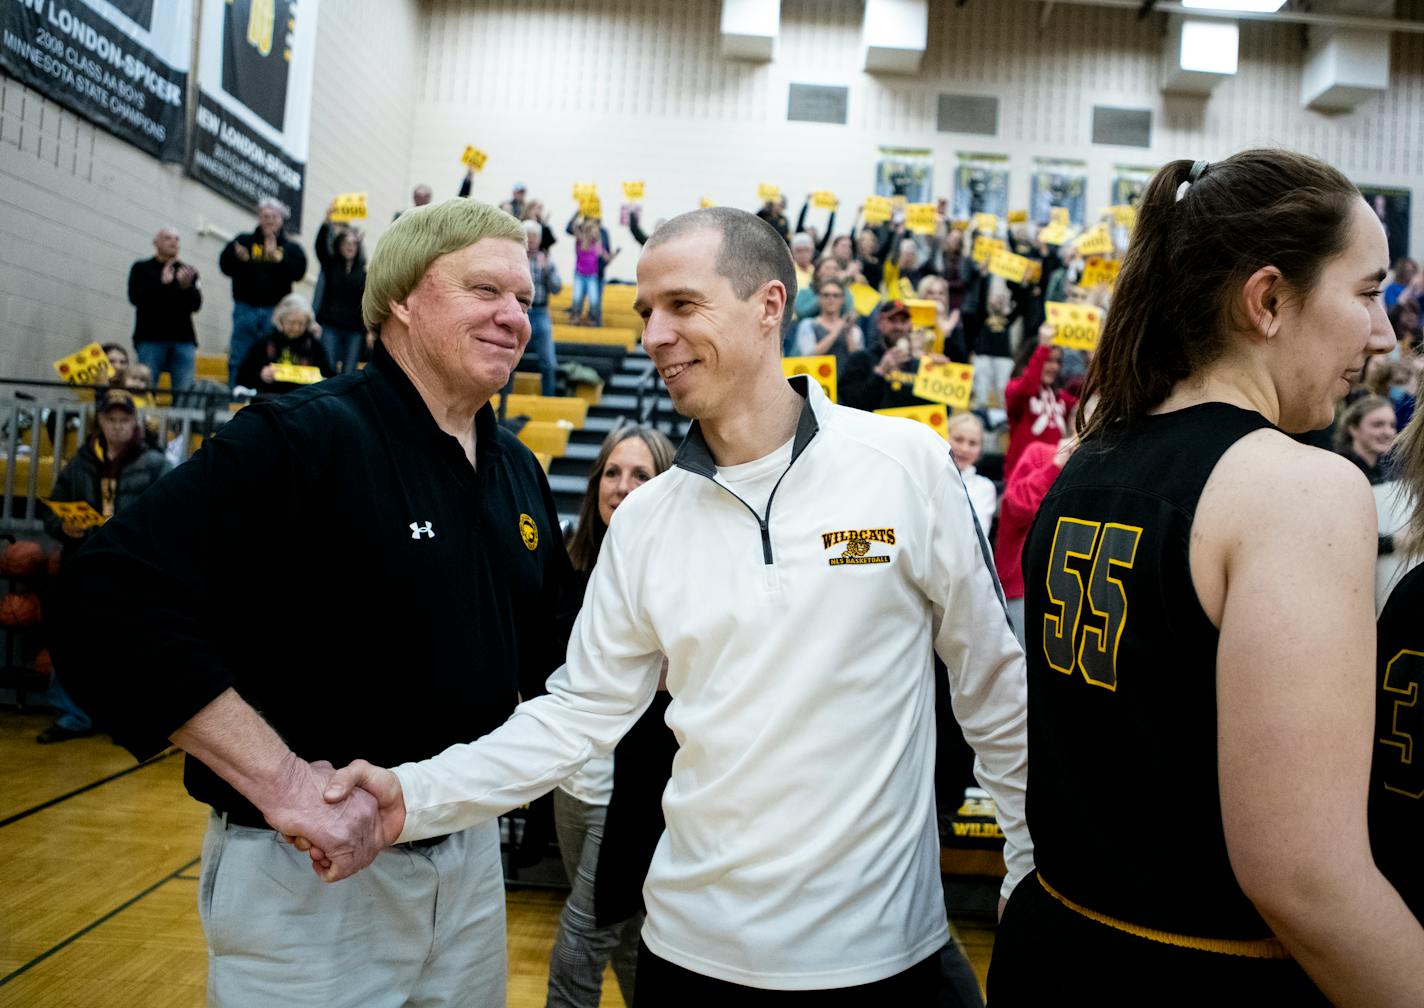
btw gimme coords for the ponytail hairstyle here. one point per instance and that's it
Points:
(1202, 230)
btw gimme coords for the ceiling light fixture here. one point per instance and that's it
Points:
(1244, 6)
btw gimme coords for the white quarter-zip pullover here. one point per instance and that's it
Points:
(801, 849)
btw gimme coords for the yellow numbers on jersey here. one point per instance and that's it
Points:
(1070, 640)
(1401, 685)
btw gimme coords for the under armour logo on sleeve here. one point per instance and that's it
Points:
(418, 529)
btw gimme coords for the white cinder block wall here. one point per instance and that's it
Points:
(78, 206)
(558, 91)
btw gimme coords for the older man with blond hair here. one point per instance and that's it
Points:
(367, 565)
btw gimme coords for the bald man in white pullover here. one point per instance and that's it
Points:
(798, 566)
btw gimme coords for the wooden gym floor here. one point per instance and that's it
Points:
(99, 876)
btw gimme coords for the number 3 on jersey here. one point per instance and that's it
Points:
(1400, 690)
(1075, 638)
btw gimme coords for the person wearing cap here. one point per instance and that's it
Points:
(799, 566)
(390, 492)
(111, 470)
(882, 374)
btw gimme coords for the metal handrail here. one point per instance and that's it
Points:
(30, 410)
(646, 409)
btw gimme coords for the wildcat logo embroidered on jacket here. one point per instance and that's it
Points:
(858, 544)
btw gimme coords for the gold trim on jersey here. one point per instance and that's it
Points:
(1263, 948)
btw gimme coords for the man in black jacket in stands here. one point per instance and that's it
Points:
(263, 266)
(165, 294)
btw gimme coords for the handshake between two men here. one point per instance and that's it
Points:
(341, 818)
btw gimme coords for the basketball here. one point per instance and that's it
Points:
(19, 609)
(25, 558)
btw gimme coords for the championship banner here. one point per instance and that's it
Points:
(122, 65)
(981, 185)
(821, 370)
(1058, 185)
(255, 61)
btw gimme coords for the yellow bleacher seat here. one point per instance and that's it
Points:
(597, 335)
(544, 459)
(548, 436)
(570, 408)
(210, 367)
(526, 383)
(590, 394)
(47, 474)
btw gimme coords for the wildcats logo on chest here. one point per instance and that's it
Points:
(858, 546)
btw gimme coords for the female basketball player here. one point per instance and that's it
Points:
(1199, 598)
(1397, 775)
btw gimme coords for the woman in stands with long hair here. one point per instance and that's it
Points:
(630, 456)
(1199, 594)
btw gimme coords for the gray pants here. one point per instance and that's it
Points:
(582, 949)
(419, 928)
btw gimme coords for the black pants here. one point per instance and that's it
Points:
(664, 985)
(1046, 954)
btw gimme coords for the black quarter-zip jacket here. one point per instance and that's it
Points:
(331, 555)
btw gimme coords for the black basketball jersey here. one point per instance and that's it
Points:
(1397, 772)
(1123, 801)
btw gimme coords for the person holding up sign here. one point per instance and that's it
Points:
(293, 340)
(773, 211)
(263, 266)
(1199, 613)
(823, 238)
(1038, 409)
(882, 374)
(343, 272)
